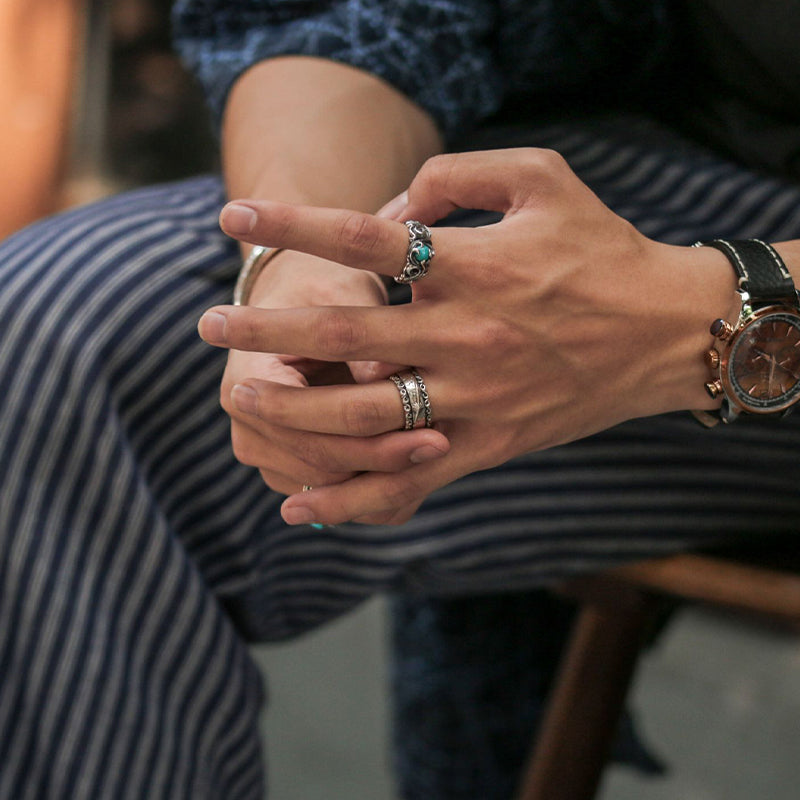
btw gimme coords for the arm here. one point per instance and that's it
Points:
(317, 132)
(558, 322)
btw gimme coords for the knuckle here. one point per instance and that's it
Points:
(436, 171)
(502, 336)
(242, 329)
(276, 482)
(276, 406)
(338, 335)
(402, 491)
(318, 457)
(362, 416)
(542, 163)
(244, 449)
(251, 332)
(307, 452)
(545, 158)
(551, 158)
(491, 337)
(358, 233)
(283, 220)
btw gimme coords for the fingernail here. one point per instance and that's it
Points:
(394, 206)
(211, 327)
(245, 398)
(298, 515)
(238, 219)
(425, 453)
(317, 526)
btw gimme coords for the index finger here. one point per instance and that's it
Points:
(328, 333)
(347, 237)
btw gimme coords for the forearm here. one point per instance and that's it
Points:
(314, 131)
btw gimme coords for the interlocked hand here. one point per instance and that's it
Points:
(557, 322)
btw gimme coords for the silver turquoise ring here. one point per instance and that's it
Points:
(419, 254)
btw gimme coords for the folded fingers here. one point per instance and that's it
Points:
(319, 459)
(356, 410)
(377, 498)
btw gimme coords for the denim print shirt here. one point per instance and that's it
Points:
(461, 60)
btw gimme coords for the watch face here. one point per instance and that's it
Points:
(763, 365)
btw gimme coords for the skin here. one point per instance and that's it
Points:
(303, 137)
(300, 130)
(558, 322)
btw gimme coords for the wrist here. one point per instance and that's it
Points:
(699, 287)
(293, 279)
(708, 285)
(754, 362)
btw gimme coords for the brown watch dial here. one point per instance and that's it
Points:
(763, 366)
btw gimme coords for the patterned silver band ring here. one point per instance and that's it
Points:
(426, 403)
(405, 400)
(419, 254)
(414, 398)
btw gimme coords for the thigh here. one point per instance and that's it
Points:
(120, 676)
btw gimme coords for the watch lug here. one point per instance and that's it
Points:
(727, 412)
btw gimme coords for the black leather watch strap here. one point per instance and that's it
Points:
(762, 273)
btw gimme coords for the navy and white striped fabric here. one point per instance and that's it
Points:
(138, 558)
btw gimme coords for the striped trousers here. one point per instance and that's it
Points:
(138, 558)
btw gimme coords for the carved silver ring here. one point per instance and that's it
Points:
(414, 398)
(419, 254)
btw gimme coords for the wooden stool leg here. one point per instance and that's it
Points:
(587, 701)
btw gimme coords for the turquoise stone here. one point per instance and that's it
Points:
(422, 254)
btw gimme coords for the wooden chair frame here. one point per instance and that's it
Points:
(616, 610)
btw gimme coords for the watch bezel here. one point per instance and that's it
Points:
(732, 392)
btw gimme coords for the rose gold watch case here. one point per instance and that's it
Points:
(737, 398)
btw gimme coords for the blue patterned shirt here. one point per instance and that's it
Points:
(461, 60)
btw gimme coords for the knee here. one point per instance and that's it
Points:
(102, 281)
(48, 309)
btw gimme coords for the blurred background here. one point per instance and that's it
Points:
(95, 102)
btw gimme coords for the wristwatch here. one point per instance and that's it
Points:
(755, 363)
